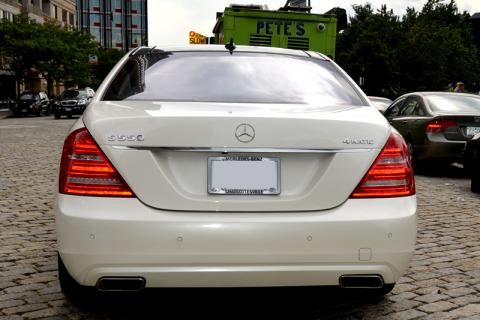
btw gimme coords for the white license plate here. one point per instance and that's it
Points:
(471, 131)
(68, 109)
(249, 175)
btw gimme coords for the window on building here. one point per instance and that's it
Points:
(71, 19)
(64, 15)
(117, 38)
(117, 20)
(55, 11)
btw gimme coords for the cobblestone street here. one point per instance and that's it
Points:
(443, 281)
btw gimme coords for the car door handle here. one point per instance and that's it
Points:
(404, 122)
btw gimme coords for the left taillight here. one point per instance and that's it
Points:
(391, 175)
(85, 170)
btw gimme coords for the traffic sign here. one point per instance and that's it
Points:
(197, 38)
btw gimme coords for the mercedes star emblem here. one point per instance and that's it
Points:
(245, 133)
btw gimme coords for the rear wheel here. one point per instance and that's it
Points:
(475, 174)
(413, 155)
(70, 288)
(368, 294)
(475, 183)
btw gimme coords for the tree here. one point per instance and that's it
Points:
(438, 48)
(107, 58)
(426, 50)
(60, 55)
(367, 48)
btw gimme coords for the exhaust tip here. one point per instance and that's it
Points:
(359, 281)
(118, 284)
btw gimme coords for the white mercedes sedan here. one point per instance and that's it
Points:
(247, 167)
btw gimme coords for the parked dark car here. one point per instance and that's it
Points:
(31, 102)
(380, 103)
(472, 162)
(436, 125)
(72, 102)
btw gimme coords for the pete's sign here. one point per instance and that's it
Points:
(279, 27)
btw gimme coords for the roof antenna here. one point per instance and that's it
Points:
(230, 46)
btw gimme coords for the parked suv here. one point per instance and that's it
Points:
(72, 102)
(31, 102)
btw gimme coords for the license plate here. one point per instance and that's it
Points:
(471, 131)
(247, 175)
(68, 109)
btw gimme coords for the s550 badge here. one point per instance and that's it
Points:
(357, 141)
(126, 137)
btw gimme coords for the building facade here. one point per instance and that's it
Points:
(61, 11)
(120, 24)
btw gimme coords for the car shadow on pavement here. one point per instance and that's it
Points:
(238, 303)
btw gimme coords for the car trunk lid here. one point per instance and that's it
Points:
(162, 150)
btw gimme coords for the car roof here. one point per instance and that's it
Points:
(439, 93)
(238, 48)
(379, 98)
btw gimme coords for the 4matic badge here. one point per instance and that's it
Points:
(357, 141)
(126, 137)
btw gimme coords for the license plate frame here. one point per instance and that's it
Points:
(251, 168)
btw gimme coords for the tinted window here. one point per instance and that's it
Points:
(28, 96)
(73, 94)
(395, 109)
(241, 77)
(454, 103)
(410, 106)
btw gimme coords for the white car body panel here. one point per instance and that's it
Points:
(99, 237)
(175, 234)
(312, 180)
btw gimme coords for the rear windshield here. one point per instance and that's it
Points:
(454, 103)
(238, 78)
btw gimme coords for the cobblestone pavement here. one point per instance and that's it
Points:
(443, 281)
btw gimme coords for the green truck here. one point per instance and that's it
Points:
(255, 26)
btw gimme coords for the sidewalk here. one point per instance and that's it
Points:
(4, 113)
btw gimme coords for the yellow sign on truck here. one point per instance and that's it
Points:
(197, 38)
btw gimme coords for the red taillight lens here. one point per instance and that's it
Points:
(439, 125)
(85, 170)
(391, 174)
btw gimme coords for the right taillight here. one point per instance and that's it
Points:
(391, 175)
(86, 171)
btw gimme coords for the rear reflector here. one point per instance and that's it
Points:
(85, 170)
(391, 174)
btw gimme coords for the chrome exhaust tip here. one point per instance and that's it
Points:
(120, 284)
(361, 281)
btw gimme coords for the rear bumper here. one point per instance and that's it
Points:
(441, 150)
(100, 237)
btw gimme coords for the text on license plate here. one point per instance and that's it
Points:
(471, 131)
(243, 175)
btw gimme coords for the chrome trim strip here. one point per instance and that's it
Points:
(242, 150)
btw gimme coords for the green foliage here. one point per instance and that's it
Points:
(426, 50)
(59, 54)
(107, 58)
